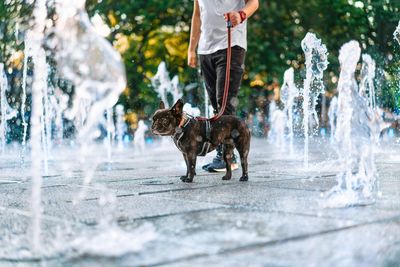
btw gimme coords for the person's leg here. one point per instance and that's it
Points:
(210, 78)
(236, 74)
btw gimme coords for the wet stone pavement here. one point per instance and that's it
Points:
(136, 212)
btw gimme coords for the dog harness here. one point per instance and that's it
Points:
(181, 132)
(207, 143)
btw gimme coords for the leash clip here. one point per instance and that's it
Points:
(228, 22)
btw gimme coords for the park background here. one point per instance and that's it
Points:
(149, 32)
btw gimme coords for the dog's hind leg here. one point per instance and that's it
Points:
(244, 148)
(228, 154)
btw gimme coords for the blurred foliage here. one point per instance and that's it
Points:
(148, 32)
(154, 31)
(14, 20)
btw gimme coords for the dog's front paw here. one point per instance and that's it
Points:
(244, 178)
(186, 179)
(227, 177)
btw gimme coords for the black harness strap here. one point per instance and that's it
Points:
(207, 143)
(181, 131)
(179, 134)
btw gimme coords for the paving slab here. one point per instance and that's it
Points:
(136, 211)
(368, 245)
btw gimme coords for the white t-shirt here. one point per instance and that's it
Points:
(214, 35)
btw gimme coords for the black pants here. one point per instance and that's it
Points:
(213, 67)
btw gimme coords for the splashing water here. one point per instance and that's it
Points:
(120, 125)
(316, 56)
(396, 34)
(332, 114)
(354, 138)
(367, 87)
(139, 140)
(113, 241)
(36, 36)
(190, 110)
(163, 85)
(176, 90)
(110, 134)
(289, 92)
(92, 64)
(46, 112)
(277, 133)
(27, 54)
(97, 72)
(59, 104)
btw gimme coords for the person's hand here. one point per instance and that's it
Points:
(192, 59)
(234, 17)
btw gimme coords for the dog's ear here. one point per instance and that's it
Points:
(161, 105)
(177, 109)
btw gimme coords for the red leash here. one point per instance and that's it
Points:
(227, 77)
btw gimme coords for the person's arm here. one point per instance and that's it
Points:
(194, 35)
(250, 7)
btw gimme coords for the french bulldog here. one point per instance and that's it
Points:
(195, 137)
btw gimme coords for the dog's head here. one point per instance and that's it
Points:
(165, 121)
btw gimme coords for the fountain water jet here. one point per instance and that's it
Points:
(367, 88)
(92, 64)
(27, 54)
(59, 103)
(176, 90)
(97, 72)
(36, 36)
(190, 110)
(354, 136)
(289, 92)
(162, 83)
(120, 125)
(139, 138)
(277, 133)
(316, 56)
(332, 114)
(396, 34)
(110, 134)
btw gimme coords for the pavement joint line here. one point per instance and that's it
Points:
(298, 214)
(54, 185)
(192, 201)
(289, 179)
(294, 179)
(184, 189)
(152, 217)
(282, 180)
(247, 208)
(134, 179)
(158, 192)
(10, 181)
(275, 242)
(296, 189)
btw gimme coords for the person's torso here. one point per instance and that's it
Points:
(213, 25)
